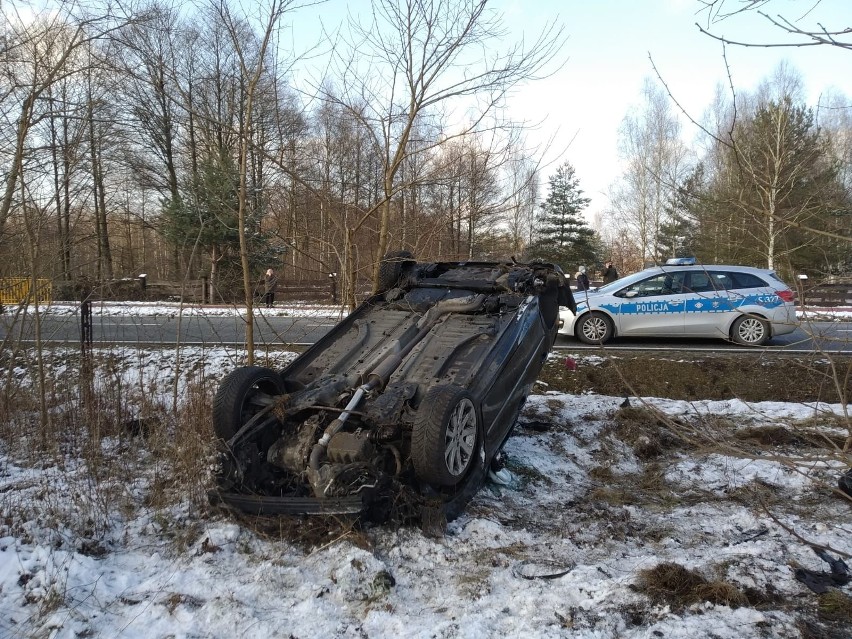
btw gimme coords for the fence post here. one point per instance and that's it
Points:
(85, 322)
(802, 280)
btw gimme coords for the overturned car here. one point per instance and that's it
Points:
(414, 393)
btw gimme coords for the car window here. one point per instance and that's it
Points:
(774, 276)
(722, 281)
(747, 280)
(700, 282)
(734, 280)
(662, 284)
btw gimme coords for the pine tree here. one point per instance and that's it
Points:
(563, 236)
(679, 229)
(206, 221)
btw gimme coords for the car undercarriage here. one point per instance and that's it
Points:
(404, 405)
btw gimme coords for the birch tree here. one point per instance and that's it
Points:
(772, 180)
(655, 161)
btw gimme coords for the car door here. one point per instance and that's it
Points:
(652, 306)
(705, 308)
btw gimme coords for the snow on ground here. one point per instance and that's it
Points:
(298, 309)
(173, 309)
(556, 553)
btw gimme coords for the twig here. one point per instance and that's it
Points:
(796, 535)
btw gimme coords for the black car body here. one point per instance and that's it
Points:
(416, 390)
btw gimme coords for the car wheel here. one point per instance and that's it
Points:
(461, 495)
(242, 394)
(446, 437)
(391, 269)
(594, 328)
(750, 330)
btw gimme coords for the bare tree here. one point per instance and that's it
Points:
(99, 118)
(522, 175)
(410, 62)
(833, 115)
(36, 54)
(655, 162)
(65, 132)
(149, 60)
(716, 11)
(771, 179)
(252, 65)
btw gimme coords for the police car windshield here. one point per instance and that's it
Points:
(620, 283)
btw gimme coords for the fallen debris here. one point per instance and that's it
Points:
(821, 582)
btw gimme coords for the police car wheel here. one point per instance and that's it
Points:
(594, 328)
(749, 330)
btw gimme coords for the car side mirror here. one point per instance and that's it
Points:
(630, 294)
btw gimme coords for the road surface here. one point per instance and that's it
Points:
(270, 330)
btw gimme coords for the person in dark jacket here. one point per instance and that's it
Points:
(270, 282)
(583, 283)
(609, 273)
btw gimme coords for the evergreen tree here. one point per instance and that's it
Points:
(206, 223)
(776, 180)
(678, 233)
(563, 236)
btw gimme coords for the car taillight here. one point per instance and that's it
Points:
(787, 295)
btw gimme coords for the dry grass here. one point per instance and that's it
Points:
(810, 433)
(835, 606)
(106, 440)
(748, 376)
(647, 488)
(833, 617)
(671, 584)
(649, 433)
(306, 532)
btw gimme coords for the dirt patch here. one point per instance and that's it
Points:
(747, 376)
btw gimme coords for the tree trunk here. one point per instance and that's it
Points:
(17, 163)
(350, 275)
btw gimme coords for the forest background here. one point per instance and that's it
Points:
(185, 141)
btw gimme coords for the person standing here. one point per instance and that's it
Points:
(609, 272)
(583, 283)
(270, 282)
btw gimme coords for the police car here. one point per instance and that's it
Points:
(746, 305)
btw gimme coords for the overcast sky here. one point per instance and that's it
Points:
(606, 59)
(608, 48)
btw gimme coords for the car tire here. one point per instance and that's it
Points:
(594, 328)
(456, 500)
(391, 268)
(243, 393)
(446, 438)
(750, 330)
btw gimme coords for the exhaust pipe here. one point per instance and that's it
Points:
(378, 376)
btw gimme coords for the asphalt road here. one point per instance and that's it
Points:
(827, 337)
(188, 329)
(832, 336)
